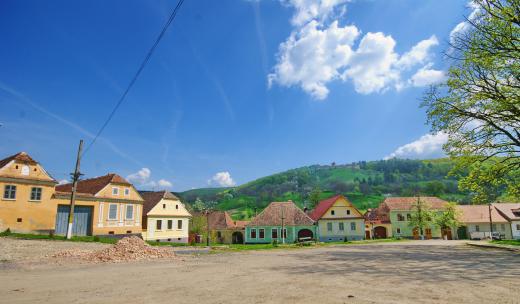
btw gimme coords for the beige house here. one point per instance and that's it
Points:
(476, 220)
(511, 211)
(25, 204)
(165, 218)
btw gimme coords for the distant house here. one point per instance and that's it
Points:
(105, 205)
(165, 218)
(26, 195)
(398, 210)
(338, 220)
(223, 229)
(281, 222)
(511, 211)
(475, 219)
(377, 223)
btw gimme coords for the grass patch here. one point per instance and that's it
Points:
(506, 242)
(87, 239)
(361, 242)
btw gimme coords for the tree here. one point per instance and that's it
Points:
(478, 107)
(421, 216)
(199, 205)
(314, 196)
(449, 218)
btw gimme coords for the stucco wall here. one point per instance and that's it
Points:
(339, 235)
(174, 234)
(292, 233)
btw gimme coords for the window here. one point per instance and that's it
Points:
(274, 233)
(284, 233)
(352, 226)
(502, 227)
(398, 230)
(477, 228)
(127, 192)
(494, 226)
(518, 227)
(176, 206)
(179, 224)
(261, 233)
(408, 217)
(170, 224)
(36, 194)
(332, 212)
(10, 192)
(341, 226)
(219, 234)
(112, 212)
(115, 191)
(253, 233)
(329, 226)
(129, 212)
(164, 206)
(19, 220)
(348, 211)
(158, 225)
(400, 217)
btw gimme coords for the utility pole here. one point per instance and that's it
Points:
(490, 222)
(207, 227)
(75, 177)
(283, 234)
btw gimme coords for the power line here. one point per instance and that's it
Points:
(141, 67)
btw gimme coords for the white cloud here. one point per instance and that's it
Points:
(429, 145)
(318, 52)
(222, 179)
(142, 178)
(463, 26)
(426, 76)
(63, 182)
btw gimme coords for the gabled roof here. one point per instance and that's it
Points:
(479, 214)
(379, 215)
(325, 205)
(272, 215)
(219, 220)
(406, 203)
(510, 211)
(93, 185)
(151, 199)
(21, 157)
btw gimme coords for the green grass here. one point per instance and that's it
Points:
(506, 242)
(361, 242)
(87, 239)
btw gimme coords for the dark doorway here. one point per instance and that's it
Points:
(305, 233)
(461, 233)
(237, 238)
(82, 223)
(380, 232)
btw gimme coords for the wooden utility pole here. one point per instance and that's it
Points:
(490, 222)
(75, 177)
(283, 234)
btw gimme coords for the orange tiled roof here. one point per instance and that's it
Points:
(406, 203)
(479, 214)
(21, 157)
(94, 185)
(272, 215)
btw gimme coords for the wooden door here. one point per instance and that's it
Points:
(367, 235)
(416, 233)
(447, 232)
(428, 233)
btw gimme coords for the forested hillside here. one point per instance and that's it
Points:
(364, 183)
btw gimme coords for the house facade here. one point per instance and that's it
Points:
(222, 228)
(338, 220)
(26, 205)
(105, 205)
(282, 222)
(476, 224)
(399, 212)
(165, 218)
(511, 212)
(377, 223)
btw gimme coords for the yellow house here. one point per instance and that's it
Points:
(105, 205)
(26, 195)
(165, 218)
(338, 220)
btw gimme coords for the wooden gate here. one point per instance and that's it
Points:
(428, 233)
(447, 232)
(380, 232)
(82, 224)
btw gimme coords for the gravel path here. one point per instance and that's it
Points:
(408, 272)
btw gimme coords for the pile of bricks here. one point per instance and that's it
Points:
(127, 249)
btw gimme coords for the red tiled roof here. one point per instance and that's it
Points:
(406, 203)
(479, 214)
(509, 210)
(220, 220)
(94, 185)
(152, 198)
(379, 215)
(272, 215)
(325, 205)
(241, 224)
(21, 157)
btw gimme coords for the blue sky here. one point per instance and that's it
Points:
(235, 91)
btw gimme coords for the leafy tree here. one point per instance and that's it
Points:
(314, 196)
(449, 218)
(198, 205)
(421, 216)
(434, 188)
(478, 107)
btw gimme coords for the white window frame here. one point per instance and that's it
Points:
(160, 229)
(126, 191)
(10, 191)
(30, 195)
(108, 213)
(274, 230)
(180, 222)
(115, 191)
(251, 233)
(259, 237)
(341, 226)
(168, 225)
(126, 212)
(329, 227)
(353, 225)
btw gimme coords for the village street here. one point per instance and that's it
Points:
(405, 272)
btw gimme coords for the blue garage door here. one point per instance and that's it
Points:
(82, 224)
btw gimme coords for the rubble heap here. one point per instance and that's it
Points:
(127, 249)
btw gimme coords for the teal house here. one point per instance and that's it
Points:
(280, 221)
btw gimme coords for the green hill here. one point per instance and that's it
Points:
(364, 183)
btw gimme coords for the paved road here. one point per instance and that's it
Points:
(407, 272)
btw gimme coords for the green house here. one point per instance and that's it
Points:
(280, 221)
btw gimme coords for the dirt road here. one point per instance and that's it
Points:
(408, 272)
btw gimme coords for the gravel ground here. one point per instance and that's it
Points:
(407, 272)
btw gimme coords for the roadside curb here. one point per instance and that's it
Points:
(495, 246)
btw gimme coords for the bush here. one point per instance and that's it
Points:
(7, 232)
(96, 238)
(275, 243)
